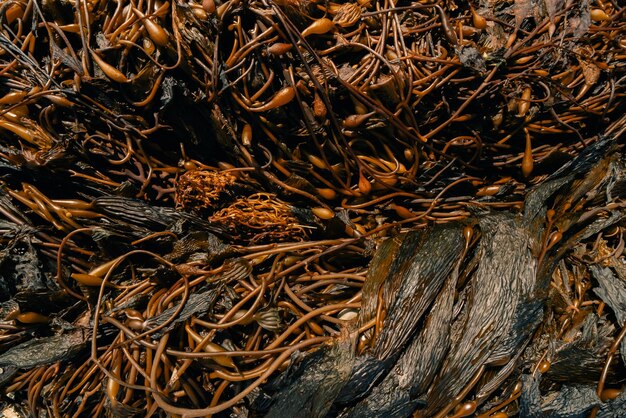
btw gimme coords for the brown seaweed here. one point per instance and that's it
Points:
(612, 291)
(45, 351)
(492, 322)
(196, 304)
(307, 207)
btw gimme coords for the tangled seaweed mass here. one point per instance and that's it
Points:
(307, 208)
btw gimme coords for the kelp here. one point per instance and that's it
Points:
(480, 321)
(226, 207)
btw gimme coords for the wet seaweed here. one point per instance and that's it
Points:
(370, 208)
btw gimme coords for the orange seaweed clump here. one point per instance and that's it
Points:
(200, 189)
(261, 217)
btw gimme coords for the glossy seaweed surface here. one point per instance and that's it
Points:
(366, 208)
